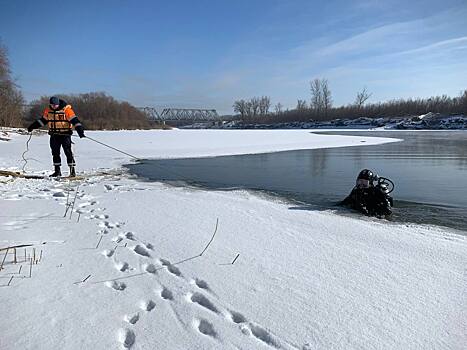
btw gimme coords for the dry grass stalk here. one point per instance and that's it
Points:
(6, 253)
(100, 239)
(30, 268)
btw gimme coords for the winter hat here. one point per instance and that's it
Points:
(54, 100)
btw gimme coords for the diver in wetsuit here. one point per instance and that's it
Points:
(368, 198)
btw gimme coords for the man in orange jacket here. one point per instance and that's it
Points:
(60, 117)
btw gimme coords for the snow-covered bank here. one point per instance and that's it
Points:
(303, 280)
(429, 121)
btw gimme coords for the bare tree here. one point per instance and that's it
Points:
(301, 105)
(316, 96)
(463, 102)
(264, 105)
(278, 108)
(240, 106)
(327, 99)
(321, 100)
(255, 106)
(248, 109)
(362, 97)
(252, 108)
(11, 99)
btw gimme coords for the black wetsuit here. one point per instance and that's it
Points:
(371, 201)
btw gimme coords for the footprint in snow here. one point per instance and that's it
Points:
(174, 270)
(151, 268)
(107, 224)
(130, 236)
(171, 268)
(122, 266)
(148, 305)
(236, 317)
(87, 204)
(126, 337)
(201, 284)
(59, 194)
(116, 285)
(108, 252)
(201, 300)
(167, 294)
(205, 327)
(117, 239)
(164, 262)
(138, 249)
(263, 335)
(132, 319)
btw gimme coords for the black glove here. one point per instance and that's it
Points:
(36, 124)
(80, 131)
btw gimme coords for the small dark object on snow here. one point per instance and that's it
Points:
(370, 196)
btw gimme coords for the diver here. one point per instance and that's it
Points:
(370, 195)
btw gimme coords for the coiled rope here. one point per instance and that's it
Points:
(26, 151)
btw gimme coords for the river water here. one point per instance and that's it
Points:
(429, 169)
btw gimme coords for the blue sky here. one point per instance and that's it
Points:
(206, 54)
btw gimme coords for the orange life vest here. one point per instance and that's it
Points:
(59, 120)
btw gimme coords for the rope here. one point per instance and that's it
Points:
(115, 149)
(139, 159)
(188, 180)
(212, 238)
(27, 149)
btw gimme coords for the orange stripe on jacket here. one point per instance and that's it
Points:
(59, 120)
(69, 113)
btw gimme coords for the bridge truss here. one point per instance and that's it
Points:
(179, 114)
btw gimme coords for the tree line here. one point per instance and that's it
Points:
(97, 111)
(11, 99)
(320, 107)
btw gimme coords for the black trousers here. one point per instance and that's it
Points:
(57, 141)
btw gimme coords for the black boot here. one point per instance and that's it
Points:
(72, 171)
(57, 172)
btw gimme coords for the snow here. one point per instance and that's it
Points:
(303, 279)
